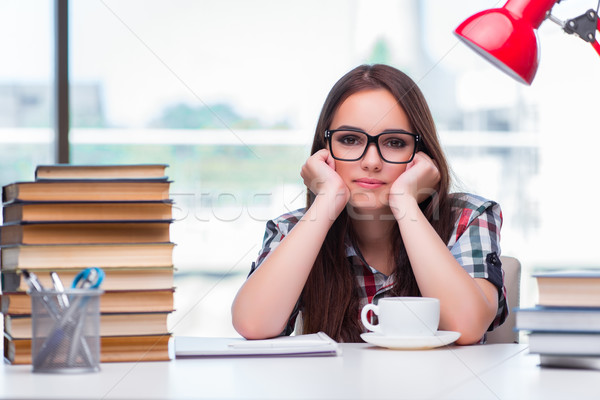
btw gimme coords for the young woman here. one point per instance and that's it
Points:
(379, 221)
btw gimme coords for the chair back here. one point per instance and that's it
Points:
(505, 333)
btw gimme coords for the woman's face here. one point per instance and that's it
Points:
(370, 178)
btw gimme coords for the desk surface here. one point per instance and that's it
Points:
(497, 371)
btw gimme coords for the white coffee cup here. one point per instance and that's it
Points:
(404, 316)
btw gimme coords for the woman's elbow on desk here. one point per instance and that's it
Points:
(252, 330)
(468, 339)
(250, 326)
(472, 325)
(471, 332)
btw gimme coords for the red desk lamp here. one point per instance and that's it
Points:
(507, 36)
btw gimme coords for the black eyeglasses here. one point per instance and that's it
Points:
(349, 144)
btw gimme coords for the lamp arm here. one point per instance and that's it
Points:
(595, 43)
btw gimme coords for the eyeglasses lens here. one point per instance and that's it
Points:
(393, 147)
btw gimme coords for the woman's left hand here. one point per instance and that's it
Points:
(420, 179)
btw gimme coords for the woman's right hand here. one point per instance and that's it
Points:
(320, 177)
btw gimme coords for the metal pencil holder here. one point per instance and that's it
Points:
(65, 330)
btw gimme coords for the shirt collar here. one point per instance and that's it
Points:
(352, 251)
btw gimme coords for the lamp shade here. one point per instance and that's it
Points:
(507, 36)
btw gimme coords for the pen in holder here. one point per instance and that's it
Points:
(65, 328)
(67, 341)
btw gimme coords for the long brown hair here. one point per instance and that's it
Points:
(330, 298)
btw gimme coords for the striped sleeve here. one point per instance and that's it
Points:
(275, 231)
(475, 243)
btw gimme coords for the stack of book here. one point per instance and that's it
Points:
(73, 217)
(564, 328)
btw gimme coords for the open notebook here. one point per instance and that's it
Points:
(316, 344)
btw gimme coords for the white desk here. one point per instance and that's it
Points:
(501, 371)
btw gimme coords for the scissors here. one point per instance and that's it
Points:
(88, 278)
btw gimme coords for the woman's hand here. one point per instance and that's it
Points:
(320, 177)
(420, 179)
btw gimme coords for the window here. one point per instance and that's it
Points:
(228, 94)
(26, 98)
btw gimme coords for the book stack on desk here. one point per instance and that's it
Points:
(116, 217)
(564, 328)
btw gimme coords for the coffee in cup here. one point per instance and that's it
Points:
(404, 316)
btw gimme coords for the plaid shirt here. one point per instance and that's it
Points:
(474, 243)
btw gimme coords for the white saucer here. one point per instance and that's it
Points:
(441, 338)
